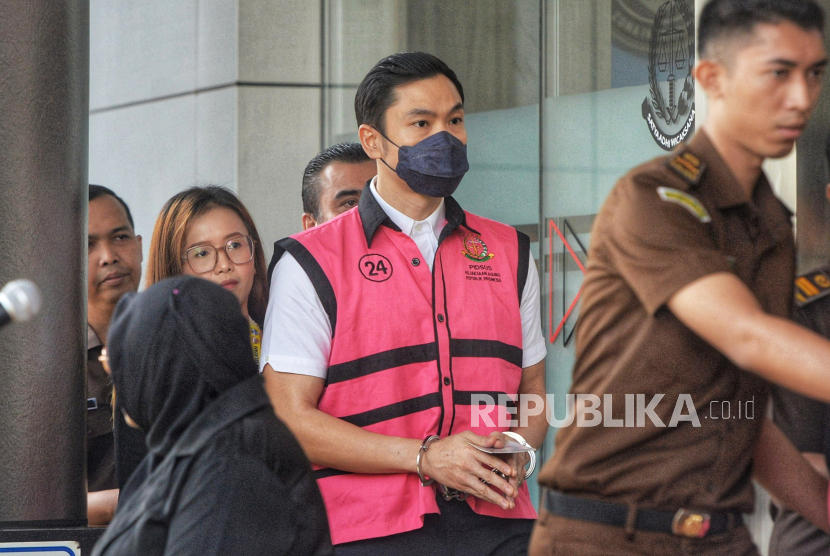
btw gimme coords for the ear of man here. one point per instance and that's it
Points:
(308, 221)
(372, 141)
(709, 75)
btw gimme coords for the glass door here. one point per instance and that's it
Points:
(618, 92)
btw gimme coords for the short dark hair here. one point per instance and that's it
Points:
(349, 153)
(376, 92)
(725, 18)
(96, 191)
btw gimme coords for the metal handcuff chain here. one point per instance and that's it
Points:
(454, 494)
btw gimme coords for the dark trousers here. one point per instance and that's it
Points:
(792, 535)
(458, 531)
(559, 536)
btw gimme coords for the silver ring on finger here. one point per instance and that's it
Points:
(493, 471)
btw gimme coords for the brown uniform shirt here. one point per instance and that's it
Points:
(666, 224)
(100, 443)
(804, 421)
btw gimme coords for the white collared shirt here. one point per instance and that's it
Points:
(92, 340)
(296, 336)
(424, 233)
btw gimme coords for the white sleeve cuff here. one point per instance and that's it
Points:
(533, 341)
(294, 365)
(535, 353)
(296, 334)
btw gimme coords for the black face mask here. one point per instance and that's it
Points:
(433, 167)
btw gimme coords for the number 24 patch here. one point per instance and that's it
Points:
(375, 268)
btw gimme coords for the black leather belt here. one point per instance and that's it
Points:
(683, 522)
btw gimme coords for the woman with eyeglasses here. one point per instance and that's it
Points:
(207, 232)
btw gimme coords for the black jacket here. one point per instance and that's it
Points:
(237, 482)
(223, 475)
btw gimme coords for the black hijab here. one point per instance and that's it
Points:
(173, 349)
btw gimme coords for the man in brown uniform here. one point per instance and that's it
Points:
(806, 422)
(688, 286)
(114, 268)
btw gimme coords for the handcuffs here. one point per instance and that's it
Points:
(454, 494)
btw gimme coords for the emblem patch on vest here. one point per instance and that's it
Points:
(375, 268)
(686, 201)
(476, 250)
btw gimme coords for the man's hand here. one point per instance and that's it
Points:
(516, 461)
(533, 382)
(519, 464)
(454, 463)
(101, 506)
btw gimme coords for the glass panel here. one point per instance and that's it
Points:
(357, 34)
(609, 67)
(493, 46)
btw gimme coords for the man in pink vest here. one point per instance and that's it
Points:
(389, 326)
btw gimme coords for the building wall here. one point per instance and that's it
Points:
(186, 92)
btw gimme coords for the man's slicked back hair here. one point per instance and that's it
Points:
(348, 153)
(96, 191)
(722, 19)
(376, 92)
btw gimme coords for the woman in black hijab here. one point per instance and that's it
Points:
(224, 475)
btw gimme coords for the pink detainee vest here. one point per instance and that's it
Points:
(411, 347)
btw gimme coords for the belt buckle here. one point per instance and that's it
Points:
(687, 523)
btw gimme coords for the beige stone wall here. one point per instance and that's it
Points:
(186, 92)
(243, 93)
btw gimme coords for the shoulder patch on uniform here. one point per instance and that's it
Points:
(686, 201)
(811, 286)
(689, 167)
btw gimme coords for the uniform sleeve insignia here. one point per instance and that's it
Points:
(689, 167)
(686, 201)
(810, 287)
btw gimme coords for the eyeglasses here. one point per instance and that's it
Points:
(203, 258)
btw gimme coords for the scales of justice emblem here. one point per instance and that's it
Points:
(670, 108)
